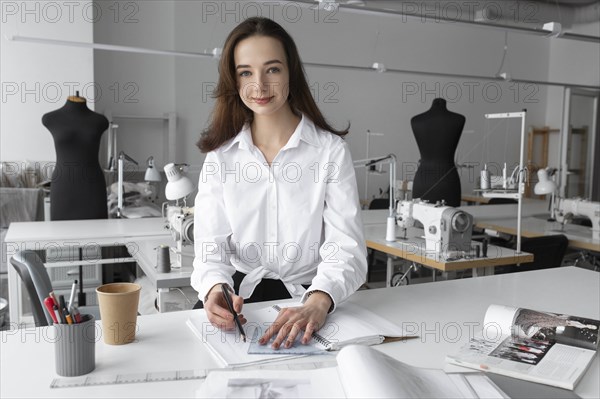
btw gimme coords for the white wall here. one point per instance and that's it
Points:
(571, 62)
(136, 84)
(576, 62)
(379, 102)
(38, 78)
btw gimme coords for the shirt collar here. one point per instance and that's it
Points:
(244, 138)
(305, 131)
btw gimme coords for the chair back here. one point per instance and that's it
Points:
(379, 203)
(33, 272)
(498, 201)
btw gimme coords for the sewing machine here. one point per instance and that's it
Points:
(566, 208)
(447, 229)
(179, 220)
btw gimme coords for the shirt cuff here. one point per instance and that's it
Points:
(312, 290)
(209, 282)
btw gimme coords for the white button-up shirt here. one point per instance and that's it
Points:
(297, 220)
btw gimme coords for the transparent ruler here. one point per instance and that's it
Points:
(114, 379)
(179, 375)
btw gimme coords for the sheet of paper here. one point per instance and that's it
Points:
(227, 346)
(321, 383)
(388, 378)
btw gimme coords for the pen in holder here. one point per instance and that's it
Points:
(75, 347)
(163, 259)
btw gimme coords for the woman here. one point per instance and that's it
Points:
(277, 213)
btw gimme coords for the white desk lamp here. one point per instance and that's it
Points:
(151, 177)
(546, 185)
(179, 218)
(178, 186)
(152, 174)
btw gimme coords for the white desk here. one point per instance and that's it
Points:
(442, 313)
(413, 249)
(479, 212)
(580, 237)
(72, 234)
(530, 208)
(503, 218)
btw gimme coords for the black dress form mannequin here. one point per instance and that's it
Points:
(78, 189)
(437, 132)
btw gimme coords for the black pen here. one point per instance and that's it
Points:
(225, 291)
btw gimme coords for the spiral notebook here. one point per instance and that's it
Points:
(349, 324)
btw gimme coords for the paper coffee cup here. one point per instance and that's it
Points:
(118, 311)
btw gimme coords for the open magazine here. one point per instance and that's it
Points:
(547, 348)
(361, 372)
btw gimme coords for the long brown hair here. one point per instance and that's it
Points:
(230, 113)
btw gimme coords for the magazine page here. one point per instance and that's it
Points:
(545, 326)
(546, 362)
(560, 328)
(499, 320)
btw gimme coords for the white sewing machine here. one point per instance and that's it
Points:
(447, 229)
(567, 208)
(180, 222)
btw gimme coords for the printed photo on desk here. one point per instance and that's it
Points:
(542, 347)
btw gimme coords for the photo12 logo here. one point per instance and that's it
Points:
(57, 92)
(325, 93)
(289, 11)
(470, 91)
(69, 11)
(477, 11)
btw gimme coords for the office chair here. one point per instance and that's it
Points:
(379, 203)
(548, 252)
(33, 272)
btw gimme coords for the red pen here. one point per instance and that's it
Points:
(49, 303)
(76, 314)
(53, 297)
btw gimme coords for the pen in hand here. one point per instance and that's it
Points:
(225, 291)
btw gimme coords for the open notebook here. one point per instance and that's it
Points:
(361, 372)
(349, 324)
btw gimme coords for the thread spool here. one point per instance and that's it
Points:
(485, 180)
(163, 259)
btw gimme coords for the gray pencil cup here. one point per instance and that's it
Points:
(75, 347)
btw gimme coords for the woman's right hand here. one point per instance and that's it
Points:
(217, 311)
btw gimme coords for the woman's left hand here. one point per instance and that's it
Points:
(290, 322)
